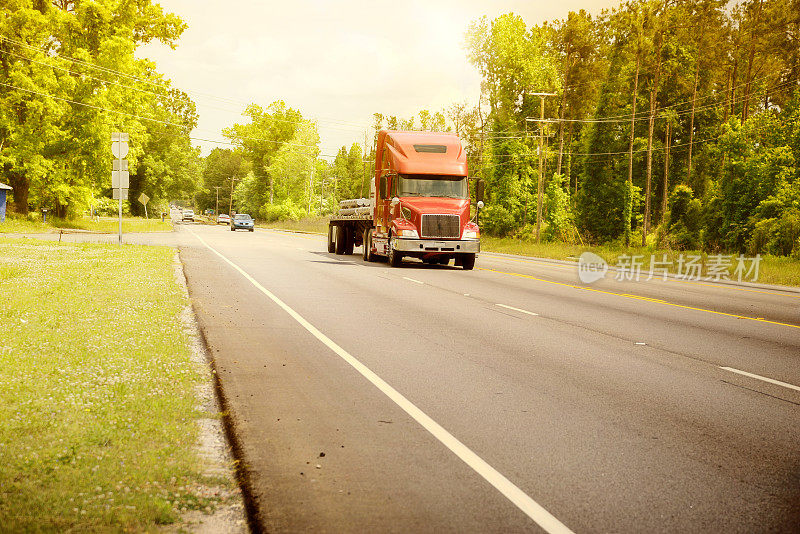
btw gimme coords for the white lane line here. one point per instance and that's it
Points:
(412, 280)
(531, 508)
(764, 378)
(517, 309)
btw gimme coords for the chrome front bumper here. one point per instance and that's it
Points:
(470, 246)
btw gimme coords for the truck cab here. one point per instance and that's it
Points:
(422, 206)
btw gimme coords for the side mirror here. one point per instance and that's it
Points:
(383, 187)
(395, 201)
(479, 190)
(480, 204)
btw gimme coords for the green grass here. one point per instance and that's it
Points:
(21, 225)
(317, 225)
(97, 405)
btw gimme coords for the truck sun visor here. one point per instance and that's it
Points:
(432, 149)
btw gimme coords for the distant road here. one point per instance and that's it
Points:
(430, 399)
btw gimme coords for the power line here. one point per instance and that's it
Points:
(49, 53)
(159, 121)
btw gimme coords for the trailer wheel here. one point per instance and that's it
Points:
(395, 258)
(468, 261)
(367, 241)
(331, 242)
(341, 239)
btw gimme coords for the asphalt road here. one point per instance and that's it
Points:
(510, 398)
(501, 399)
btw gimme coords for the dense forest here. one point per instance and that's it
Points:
(663, 122)
(670, 123)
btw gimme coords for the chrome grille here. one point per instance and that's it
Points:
(441, 226)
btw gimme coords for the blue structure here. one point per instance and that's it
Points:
(3, 191)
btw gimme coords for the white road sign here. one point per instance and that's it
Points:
(119, 149)
(123, 163)
(120, 179)
(119, 136)
(124, 194)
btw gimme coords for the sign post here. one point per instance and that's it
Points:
(143, 200)
(120, 178)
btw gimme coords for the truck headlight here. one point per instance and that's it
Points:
(408, 233)
(470, 234)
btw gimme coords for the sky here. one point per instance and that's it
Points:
(336, 61)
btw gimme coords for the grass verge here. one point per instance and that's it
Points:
(22, 225)
(317, 225)
(772, 269)
(98, 408)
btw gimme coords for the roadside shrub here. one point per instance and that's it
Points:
(285, 211)
(110, 208)
(685, 219)
(557, 213)
(777, 236)
(497, 221)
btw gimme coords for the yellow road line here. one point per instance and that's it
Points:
(777, 294)
(638, 297)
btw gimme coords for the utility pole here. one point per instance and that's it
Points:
(216, 208)
(540, 184)
(310, 186)
(230, 208)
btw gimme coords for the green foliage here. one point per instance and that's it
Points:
(557, 212)
(222, 168)
(685, 218)
(285, 211)
(498, 221)
(71, 78)
(720, 84)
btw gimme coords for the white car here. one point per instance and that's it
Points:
(188, 215)
(223, 218)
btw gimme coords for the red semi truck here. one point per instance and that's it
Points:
(418, 207)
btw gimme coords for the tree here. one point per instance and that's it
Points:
(260, 140)
(70, 78)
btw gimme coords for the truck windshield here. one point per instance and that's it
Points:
(431, 185)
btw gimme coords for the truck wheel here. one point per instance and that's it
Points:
(367, 241)
(349, 241)
(395, 258)
(341, 239)
(331, 242)
(468, 261)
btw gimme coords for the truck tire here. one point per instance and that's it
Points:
(349, 241)
(367, 241)
(331, 242)
(341, 239)
(468, 261)
(395, 258)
